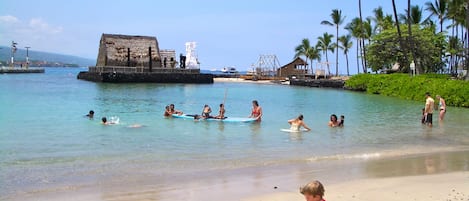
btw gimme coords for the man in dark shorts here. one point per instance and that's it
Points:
(429, 105)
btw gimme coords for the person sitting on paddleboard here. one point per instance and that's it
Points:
(206, 112)
(221, 112)
(297, 123)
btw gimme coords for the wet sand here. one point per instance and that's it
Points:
(436, 176)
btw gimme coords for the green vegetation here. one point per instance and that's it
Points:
(383, 54)
(434, 36)
(455, 92)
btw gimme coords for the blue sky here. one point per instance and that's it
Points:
(228, 33)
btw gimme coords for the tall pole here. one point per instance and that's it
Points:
(13, 50)
(27, 57)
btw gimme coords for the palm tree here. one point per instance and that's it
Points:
(403, 61)
(337, 20)
(439, 9)
(325, 45)
(354, 28)
(381, 21)
(414, 16)
(346, 44)
(410, 40)
(362, 42)
(457, 14)
(303, 49)
(313, 54)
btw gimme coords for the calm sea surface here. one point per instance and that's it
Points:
(46, 143)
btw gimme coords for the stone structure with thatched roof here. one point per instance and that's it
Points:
(124, 58)
(128, 51)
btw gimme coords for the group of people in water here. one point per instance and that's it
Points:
(256, 113)
(206, 112)
(427, 111)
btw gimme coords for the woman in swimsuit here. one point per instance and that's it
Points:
(221, 112)
(333, 122)
(256, 111)
(297, 123)
(442, 106)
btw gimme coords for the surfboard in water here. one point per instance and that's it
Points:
(293, 131)
(227, 119)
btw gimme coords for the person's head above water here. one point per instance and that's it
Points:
(333, 117)
(254, 102)
(104, 120)
(300, 117)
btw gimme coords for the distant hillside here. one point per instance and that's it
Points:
(20, 55)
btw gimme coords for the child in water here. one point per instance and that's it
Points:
(424, 117)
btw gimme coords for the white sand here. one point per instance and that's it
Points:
(441, 187)
(240, 80)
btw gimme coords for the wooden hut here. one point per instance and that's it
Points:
(298, 67)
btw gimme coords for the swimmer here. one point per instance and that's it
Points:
(90, 114)
(104, 121)
(333, 122)
(341, 121)
(174, 111)
(297, 123)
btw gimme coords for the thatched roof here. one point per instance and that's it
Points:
(127, 50)
(297, 61)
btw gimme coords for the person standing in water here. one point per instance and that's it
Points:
(429, 105)
(441, 107)
(256, 112)
(296, 123)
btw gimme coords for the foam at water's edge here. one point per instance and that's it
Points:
(386, 154)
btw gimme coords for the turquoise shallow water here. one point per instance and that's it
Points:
(45, 142)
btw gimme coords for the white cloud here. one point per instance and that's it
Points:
(39, 25)
(8, 19)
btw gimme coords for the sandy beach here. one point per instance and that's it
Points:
(448, 186)
(241, 80)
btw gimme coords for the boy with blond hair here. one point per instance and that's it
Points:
(313, 191)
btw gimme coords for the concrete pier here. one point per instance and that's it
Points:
(21, 70)
(146, 77)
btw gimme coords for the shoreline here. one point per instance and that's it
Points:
(412, 177)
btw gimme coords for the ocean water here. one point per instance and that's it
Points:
(47, 145)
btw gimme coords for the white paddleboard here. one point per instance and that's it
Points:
(293, 131)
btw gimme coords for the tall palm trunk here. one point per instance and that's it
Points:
(361, 32)
(410, 40)
(401, 44)
(467, 44)
(346, 59)
(327, 62)
(358, 57)
(451, 58)
(337, 51)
